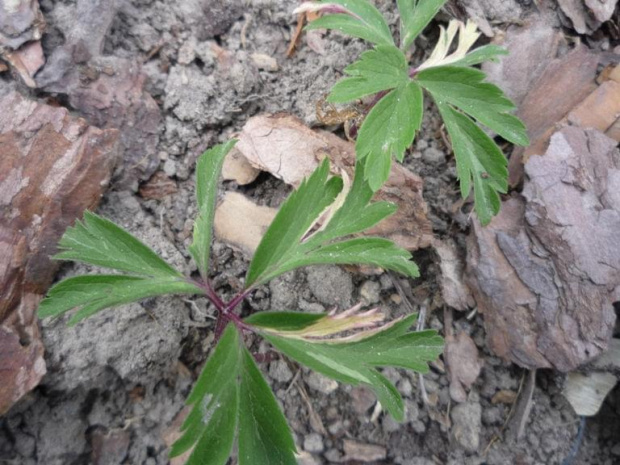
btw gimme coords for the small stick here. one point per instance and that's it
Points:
(523, 408)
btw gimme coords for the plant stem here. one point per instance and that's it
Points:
(225, 311)
(209, 293)
(230, 306)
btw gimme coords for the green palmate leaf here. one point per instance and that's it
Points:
(207, 175)
(210, 428)
(388, 130)
(359, 19)
(356, 362)
(301, 248)
(482, 54)
(90, 294)
(464, 88)
(414, 17)
(231, 399)
(362, 251)
(100, 242)
(380, 69)
(264, 435)
(296, 215)
(478, 158)
(356, 214)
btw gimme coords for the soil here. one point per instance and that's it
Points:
(116, 382)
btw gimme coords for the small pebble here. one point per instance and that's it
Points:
(313, 443)
(280, 371)
(433, 156)
(170, 167)
(321, 383)
(370, 292)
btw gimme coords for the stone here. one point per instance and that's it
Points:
(170, 167)
(467, 425)
(265, 62)
(321, 383)
(370, 292)
(109, 447)
(21, 21)
(434, 156)
(390, 425)
(362, 399)
(365, 453)
(305, 458)
(53, 167)
(313, 443)
(602, 10)
(108, 91)
(283, 292)
(331, 285)
(405, 388)
(187, 52)
(280, 371)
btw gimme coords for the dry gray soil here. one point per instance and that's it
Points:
(120, 378)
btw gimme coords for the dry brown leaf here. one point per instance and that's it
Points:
(173, 433)
(504, 397)
(288, 149)
(586, 393)
(237, 168)
(464, 364)
(546, 271)
(241, 223)
(158, 187)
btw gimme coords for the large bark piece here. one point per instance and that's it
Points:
(288, 149)
(565, 82)
(531, 46)
(546, 271)
(53, 167)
